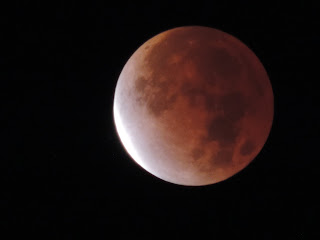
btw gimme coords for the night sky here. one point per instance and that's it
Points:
(64, 172)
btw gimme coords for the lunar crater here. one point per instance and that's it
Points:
(247, 148)
(223, 158)
(197, 153)
(223, 130)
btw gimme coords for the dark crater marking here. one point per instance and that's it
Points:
(247, 148)
(222, 130)
(234, 106)
(154, 94)
(197, 153)
(223, 158)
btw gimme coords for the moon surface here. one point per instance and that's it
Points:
(193, 106)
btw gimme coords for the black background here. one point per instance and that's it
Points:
(64, 172)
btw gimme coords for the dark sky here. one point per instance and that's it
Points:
(64, 173)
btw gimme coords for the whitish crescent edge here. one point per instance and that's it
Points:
(125, 138)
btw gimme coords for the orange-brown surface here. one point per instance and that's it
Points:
(195, 106)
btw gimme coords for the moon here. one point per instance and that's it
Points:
(193, 106)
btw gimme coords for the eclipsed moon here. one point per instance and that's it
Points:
(193, 106)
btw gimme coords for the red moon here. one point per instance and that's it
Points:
(193, 106)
